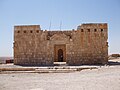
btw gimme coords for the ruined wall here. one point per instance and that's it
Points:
(86, 45)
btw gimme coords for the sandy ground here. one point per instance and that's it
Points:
(103, 78)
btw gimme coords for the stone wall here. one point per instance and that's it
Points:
(89, 45)
(86, 45)
(30, 46)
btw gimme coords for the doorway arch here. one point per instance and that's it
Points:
(60, 55)
(59, 50)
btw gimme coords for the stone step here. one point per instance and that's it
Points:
(57, 69)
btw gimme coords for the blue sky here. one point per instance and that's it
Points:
(70, 12)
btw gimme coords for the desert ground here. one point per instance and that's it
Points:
(106, 77)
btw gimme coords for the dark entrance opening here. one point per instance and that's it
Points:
(60, 55)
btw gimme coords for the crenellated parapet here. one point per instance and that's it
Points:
(93, 26)
(27, 27)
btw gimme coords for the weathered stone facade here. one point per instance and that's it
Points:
(86, 45)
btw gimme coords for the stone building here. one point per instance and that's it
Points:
(85, 45)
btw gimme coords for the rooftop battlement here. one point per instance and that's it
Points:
(27, 27)
(93, 25)
(82, 26)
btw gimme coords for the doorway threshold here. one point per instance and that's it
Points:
(59, 63)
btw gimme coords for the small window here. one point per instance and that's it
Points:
(37, 31)
(48, 38)
(101, 30)
(31, 31)
(70, 36)
(81, 30)
(88, 30)
(95, 30)
(24, 31)
(18, 32)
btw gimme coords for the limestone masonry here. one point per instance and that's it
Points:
(86, 45)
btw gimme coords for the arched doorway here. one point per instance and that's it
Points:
(60, 55)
